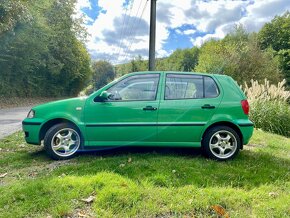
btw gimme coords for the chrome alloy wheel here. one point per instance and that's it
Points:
(223, 144)
(65, 142)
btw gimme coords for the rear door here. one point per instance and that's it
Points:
(187, 104)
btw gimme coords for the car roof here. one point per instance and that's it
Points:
(178, 72)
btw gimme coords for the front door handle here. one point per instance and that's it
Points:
(150, 108)
(208, 106)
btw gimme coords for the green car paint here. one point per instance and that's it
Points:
(154, 122)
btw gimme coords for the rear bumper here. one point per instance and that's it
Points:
(31, 130)
(247, 129)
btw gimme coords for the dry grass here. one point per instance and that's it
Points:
(266, 91)
(270, 109)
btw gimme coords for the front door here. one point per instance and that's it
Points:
(129, 116)
(188, 103)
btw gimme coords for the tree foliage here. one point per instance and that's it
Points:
(11, 13)
(103, 73)
(239, 56)
(276, 34)
(179, 60)
(42, 57)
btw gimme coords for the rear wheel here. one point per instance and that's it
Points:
(62, 141)
(221, 143)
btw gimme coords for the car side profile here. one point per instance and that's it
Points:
(177, 109)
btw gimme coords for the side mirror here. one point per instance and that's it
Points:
(105, 95)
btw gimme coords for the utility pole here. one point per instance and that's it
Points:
(152, 35)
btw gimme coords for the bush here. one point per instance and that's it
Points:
(270, 110)
(271, 115)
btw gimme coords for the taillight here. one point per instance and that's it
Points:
(245, 106)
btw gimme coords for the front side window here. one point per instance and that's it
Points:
(135, 88)
(186, 86)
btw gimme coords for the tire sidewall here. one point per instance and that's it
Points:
(210, 133)
(49, 136)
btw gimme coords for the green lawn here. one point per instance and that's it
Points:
(146, 182)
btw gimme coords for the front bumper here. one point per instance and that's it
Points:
(31, 128)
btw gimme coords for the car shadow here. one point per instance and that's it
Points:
(125, 150)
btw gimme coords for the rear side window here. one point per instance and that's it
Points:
(186, 86)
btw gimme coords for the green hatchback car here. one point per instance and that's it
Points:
(178, 109)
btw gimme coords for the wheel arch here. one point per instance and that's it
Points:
(229, 124)
(48, 124)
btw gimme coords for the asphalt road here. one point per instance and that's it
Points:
(10, 120)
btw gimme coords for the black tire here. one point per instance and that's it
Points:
(212, 151)
(50, 136)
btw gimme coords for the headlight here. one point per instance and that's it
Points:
(31, 114)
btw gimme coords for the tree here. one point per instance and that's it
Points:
(138, 64)
(239, 56)
(179, 60)
(103, 72)
(43, 57)
(276, 35)
(12, 12)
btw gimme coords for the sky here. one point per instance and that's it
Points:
(119, 29)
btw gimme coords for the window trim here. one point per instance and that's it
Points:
(156, 94)
(188, 74)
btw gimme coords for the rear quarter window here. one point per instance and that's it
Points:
(210, 88)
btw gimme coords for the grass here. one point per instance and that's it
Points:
(146, 182)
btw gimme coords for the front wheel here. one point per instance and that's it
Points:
(221, 143)
(62, 141)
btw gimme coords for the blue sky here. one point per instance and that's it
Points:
(119, 29)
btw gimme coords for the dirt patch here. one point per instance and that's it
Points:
(33, 171)
(255, 145)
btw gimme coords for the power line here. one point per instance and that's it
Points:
(124, 27)
(132, 33)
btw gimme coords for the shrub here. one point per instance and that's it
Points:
(270, 110)
(272, 116)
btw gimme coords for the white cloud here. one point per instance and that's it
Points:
(189, 32)
(219, 33)
(263, 11)
(81, 4)
(209, 19)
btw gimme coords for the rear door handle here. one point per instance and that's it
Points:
(208, 106)
(150, 108)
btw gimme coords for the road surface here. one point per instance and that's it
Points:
(10, 120)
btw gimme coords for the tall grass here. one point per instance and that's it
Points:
(270, 109)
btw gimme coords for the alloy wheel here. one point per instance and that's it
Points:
(65, 142)
(223, 144)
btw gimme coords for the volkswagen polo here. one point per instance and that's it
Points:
(178, 109)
